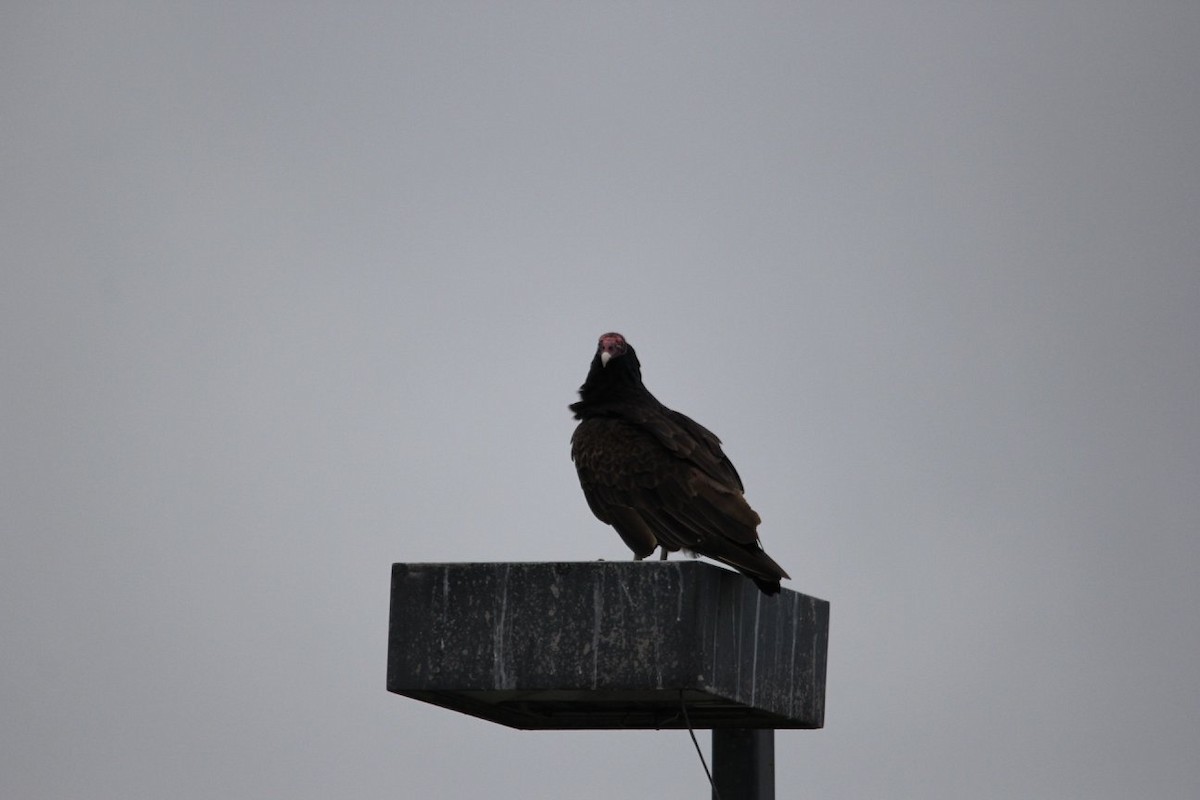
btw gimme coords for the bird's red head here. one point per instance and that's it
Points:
(611, 345)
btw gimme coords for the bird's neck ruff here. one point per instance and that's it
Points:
(610, 386)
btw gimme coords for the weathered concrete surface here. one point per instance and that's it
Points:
(607, 645)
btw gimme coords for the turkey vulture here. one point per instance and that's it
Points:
(657, 476)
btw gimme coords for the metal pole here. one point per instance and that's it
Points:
(743, 764)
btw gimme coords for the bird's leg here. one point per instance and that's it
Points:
(663, 556)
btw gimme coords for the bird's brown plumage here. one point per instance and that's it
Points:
(658, 477)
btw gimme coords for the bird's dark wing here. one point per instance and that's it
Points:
(689, 440)
(626, 470)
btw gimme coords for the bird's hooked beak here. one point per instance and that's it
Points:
(604, 357)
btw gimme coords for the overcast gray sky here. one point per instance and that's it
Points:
(291, 292)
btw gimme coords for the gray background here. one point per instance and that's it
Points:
(292, 292)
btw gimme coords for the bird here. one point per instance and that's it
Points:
(659, 477)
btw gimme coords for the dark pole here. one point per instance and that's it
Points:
(743, 764)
